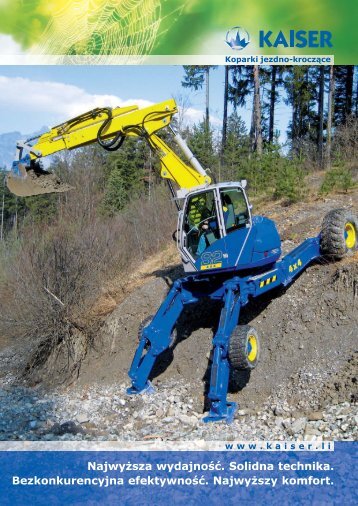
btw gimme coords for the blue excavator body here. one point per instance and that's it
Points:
(229, 256)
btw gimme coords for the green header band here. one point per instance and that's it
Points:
(104, 28)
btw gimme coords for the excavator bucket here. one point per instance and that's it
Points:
(25, 181)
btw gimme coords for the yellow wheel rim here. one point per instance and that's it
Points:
(252, 348)
(350, 235)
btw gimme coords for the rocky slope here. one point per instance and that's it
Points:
(304, 386)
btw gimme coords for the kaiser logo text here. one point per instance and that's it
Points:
(238, 38)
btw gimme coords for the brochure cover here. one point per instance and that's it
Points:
(178, 252)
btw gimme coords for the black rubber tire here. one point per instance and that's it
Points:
(239, 347)
(144, 323)
(333, 240)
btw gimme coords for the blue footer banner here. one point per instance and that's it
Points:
(180, 477)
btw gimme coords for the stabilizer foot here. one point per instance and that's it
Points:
(148, 389)
(219, 413)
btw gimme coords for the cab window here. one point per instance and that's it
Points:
(200, 223)
(235, 210)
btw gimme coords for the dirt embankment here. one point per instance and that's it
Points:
(308, 331)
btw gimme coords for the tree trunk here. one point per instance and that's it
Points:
(349, 91)
(294, 124)
(252, 128)
(272, 102)
(320, 115)
(330, 116)
(207, 116)
(226, 93)
(257, 112)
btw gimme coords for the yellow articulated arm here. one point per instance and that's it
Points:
(110, 127)
(103, 123)
(172, 167)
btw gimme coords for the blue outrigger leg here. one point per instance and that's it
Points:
(234, 292)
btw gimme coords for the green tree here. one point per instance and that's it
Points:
(320, 123)
(300, 89)
(236, 150)
(40, 208)
(256, 113)
(331, 87)
(201, 142)
(240, 85)
(289, 182)
(338, 178)
(125, 175)
(343, 97)
(225, 114)
(244, 85)
(271, 83)
(195, 77)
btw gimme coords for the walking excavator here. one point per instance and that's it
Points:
(228, 254)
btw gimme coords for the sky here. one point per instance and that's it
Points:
(32, 97)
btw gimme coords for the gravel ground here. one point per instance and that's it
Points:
(105, 413)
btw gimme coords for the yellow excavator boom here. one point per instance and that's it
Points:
(109, 127)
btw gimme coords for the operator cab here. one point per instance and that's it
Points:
(217, 231)
(207, 213)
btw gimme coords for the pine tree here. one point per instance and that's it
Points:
(246, 84)
(271, 82)
(226, 100)
(240, 85)
(257, 112)
(237, 148)
(273, 99)
(331, 94)
(201, 142)
(300, 89)
(321, 87)
(343, 100)
(195, 77)
(40, 208)
(125, 175)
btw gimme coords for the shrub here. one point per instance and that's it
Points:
(338, 178)
(289, 182)
(345, 141)
(53, 277)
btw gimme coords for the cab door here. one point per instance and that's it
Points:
(237, 224)
(202, 233)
